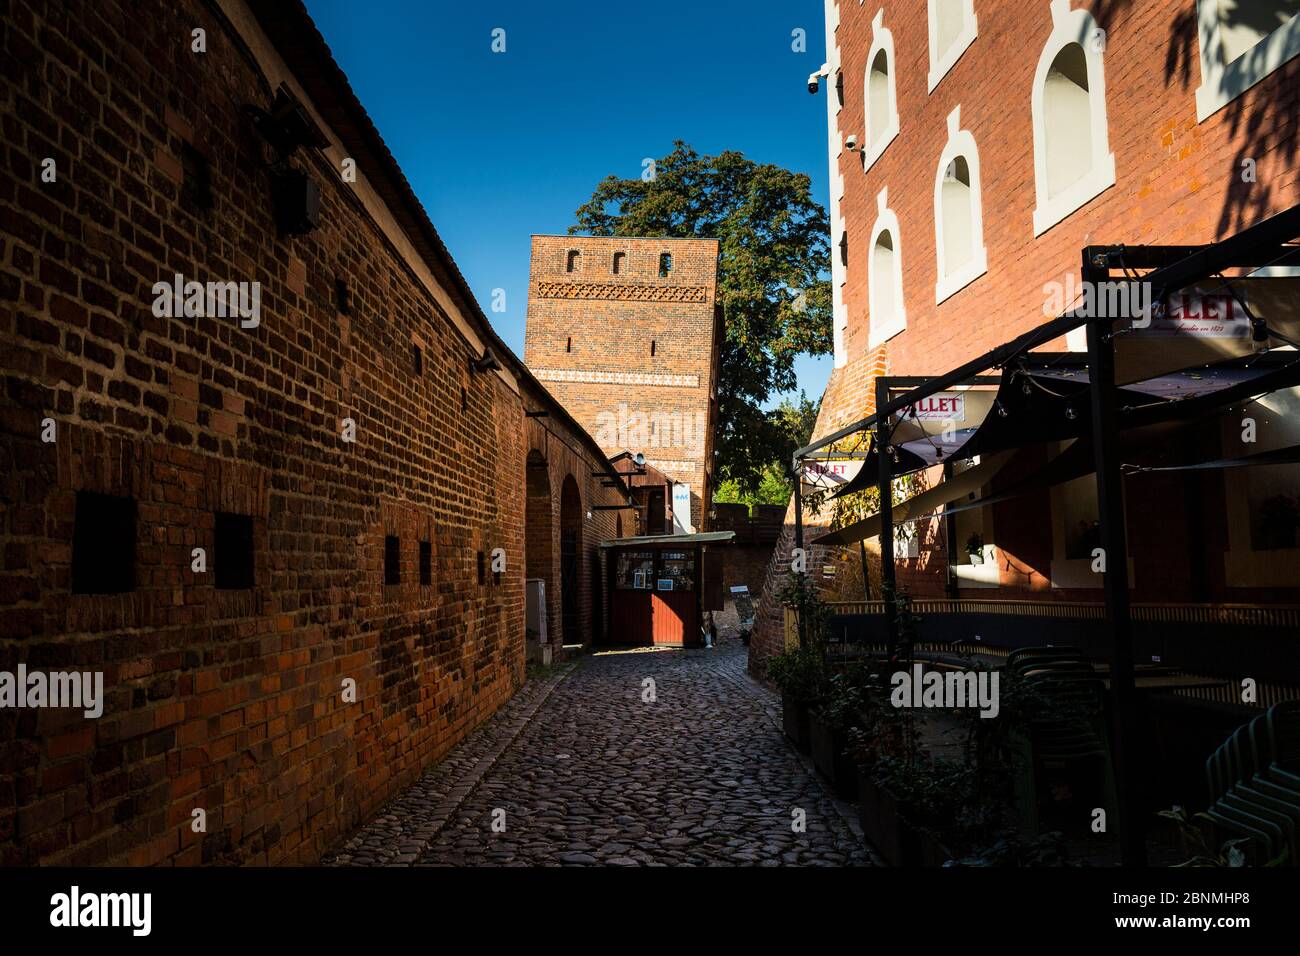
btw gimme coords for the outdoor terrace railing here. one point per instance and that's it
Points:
(1243, 615)
(1221, 615)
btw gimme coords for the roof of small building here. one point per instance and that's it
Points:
(703, 537)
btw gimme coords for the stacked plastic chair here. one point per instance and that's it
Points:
(1254, 781)
(1076, 735)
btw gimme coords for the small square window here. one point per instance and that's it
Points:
(103, 544)
(232, 551)
(392, 560)
(426, 563)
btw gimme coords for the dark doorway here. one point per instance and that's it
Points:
(571, 532)
(656, 511)
(570, 559)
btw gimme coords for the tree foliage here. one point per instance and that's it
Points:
(775, 299)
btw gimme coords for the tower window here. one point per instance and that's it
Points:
(417, 358)
(464, 399)
(652, 348)
(103, 544)
(342, 297)
(665, 264)
(426, 563)
(619, 258)
(568, 345)
(573, 262)
(482, 568)
(392, 560)
(232, 551)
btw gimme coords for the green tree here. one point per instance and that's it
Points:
(774, 256)
(792, 423)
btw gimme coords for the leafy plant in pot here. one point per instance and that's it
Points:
(800, 672)
(800, 675)
(829, 726)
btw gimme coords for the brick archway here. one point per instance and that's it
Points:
(570, 559)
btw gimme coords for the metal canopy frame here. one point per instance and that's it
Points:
(1172, 268)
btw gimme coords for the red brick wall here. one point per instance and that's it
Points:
(229, 701)
(590, 325)
(1177, 181)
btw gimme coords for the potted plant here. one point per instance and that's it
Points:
(829, 726)
(798, 674)
(975, 547)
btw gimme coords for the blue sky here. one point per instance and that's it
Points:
(500, 146)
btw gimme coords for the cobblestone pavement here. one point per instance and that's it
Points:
(578, 769)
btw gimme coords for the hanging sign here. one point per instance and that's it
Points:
(682, 509)
(823, 475)
(943, 407)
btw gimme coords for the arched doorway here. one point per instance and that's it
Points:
(570, 558)
(537, 534)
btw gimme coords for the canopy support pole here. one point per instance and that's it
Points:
(884, 462)
(1114, 544)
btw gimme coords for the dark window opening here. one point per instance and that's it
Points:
(652, 348)
(103, 544)
(417, 357)
(232, 551)
(618, 262)
(196, 178)
(665, 264)
(482, 568)
(392, 560)
(568, 345)
(342, 296)
(573, 260)
(426, 563)
(464, 399)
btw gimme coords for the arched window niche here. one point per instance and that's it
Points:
(886, 313)
(1072, 158)
(880, 99)
(958, 213)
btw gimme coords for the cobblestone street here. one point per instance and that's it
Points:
(587, 772)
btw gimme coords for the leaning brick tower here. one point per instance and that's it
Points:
(625, 333)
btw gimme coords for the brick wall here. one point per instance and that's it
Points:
(1177, 181)
(632, 355)
(231, 701)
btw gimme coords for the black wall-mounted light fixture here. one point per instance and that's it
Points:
(487, 362)
(287, 127)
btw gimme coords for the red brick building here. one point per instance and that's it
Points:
(292, 540)
(626, 334)
(975, 149)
